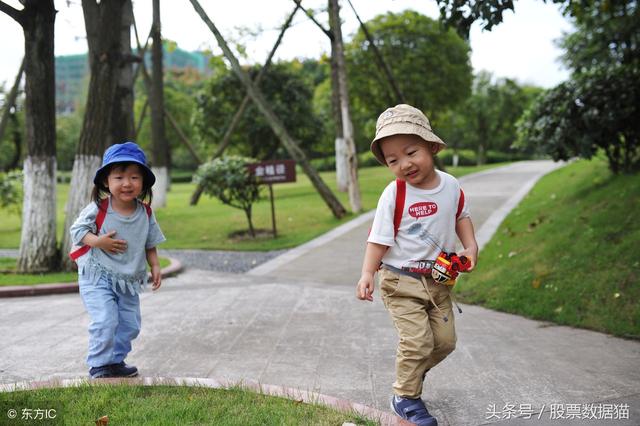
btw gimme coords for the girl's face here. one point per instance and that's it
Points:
(410, 159)
(125, 183)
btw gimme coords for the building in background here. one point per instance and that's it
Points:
(72, 73)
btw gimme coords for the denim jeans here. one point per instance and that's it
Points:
(115, 321)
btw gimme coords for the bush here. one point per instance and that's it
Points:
(229, 180)
(11, 191)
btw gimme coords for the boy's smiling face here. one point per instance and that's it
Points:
(410, 158)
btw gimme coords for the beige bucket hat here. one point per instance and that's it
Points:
(403, 119)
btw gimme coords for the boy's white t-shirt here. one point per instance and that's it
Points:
(428, 224)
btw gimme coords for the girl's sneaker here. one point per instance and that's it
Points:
(412, 410)
(101, 372)
(123, 370)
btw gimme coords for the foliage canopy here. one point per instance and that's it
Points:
(430, 66)
(289, 94)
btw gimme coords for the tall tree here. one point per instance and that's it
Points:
(160, 149)
(289, 143)
(38, 239)
(434, 65)
(598, 108)
(105, 60)
(345, 147)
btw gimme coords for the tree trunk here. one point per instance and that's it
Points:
(252, 231)
(10, 100)
(160, 150)
(16, 136)
(105, 58)
(342, 177)
(341, 164)
(122, 121)
(276, 125)
(350, 157)
(38, 237)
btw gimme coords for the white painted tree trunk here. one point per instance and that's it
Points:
(38, 239)
(160, 187)
(342, 171)
(84, 169)
(350, 157)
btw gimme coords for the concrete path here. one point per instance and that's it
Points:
(303, 327)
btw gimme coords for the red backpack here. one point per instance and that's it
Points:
(76, 251)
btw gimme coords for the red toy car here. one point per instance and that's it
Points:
(447, 266)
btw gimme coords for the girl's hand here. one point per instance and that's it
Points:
(156, 276)
(471, 254)
(364, 290)
(106, 242)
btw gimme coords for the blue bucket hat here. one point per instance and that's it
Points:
(126, 152)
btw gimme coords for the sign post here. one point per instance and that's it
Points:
(272, 172)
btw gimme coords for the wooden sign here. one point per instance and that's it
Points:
(275, 171)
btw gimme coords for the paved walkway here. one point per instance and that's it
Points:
(300, 325)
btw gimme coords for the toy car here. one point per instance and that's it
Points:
(447, 266)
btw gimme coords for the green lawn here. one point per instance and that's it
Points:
(568, 253)
(175, 405)
(301, 214)
(8, 276)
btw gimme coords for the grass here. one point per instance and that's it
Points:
(568, 253)
(9, 277)
(162, 405)
(300, 213)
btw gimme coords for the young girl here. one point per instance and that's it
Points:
(115, 234)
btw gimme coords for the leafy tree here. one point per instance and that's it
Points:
(228, 179)
(287, 92)
(461, 14)
(596, 109)
(606, 33)
(432, 68)
(488, 117)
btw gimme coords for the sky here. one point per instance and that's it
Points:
(521, 47)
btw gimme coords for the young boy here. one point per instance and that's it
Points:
(430, 215)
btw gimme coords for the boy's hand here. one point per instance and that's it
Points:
(472, 255)
(156, 276)
(364, 290)
(106, 242)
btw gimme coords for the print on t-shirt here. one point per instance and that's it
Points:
(417, 230)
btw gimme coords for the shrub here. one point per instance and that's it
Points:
(229, 180)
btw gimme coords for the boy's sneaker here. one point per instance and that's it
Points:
(412, 410)
(123, 370)
(101, 372)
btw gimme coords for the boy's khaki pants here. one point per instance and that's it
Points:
(425, 337)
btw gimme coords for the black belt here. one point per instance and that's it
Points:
(415, 275)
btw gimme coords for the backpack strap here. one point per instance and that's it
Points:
(102, 213)
(147, 207)
(460, 204)
(401, 192)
